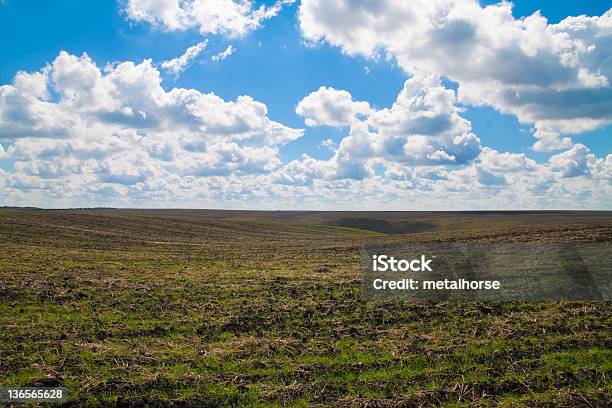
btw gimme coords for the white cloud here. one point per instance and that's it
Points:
(300, 172)
(80, 135)
(422, 128)
(440, 187)
(177, 65)
(118, 126)
(328, 106)
(232, 18)
(223, 54)
(555, 76)
(577, 161)
(550, 140)
(487, 178)
(494, 161)
(328, 144)
(424, 149)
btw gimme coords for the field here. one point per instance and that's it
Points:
(219, 308)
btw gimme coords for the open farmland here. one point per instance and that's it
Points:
(220, 308)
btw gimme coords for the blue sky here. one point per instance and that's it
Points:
(272, 64)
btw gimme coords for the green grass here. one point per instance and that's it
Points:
(153, 308)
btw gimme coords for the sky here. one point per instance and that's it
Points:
(313, 104)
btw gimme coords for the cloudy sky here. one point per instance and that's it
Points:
(312, 104)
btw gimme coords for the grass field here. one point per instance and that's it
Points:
(219, 308)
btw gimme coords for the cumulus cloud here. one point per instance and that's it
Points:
(423, 127)
(328, 144)
(232, 18)
(80, 134)
(223, 54)
(300, 172)
(550, 140)
(492, 160)
(483, 184)
(331, 107)
(422, 147)
(118, 126)
(486, 178)
(554, 76)
(577, 161)
(177, 65)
